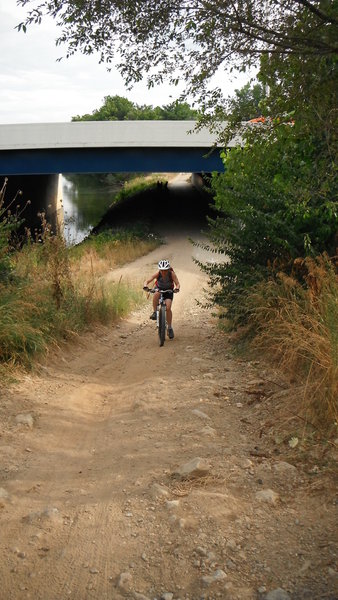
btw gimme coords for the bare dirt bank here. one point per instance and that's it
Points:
(93, 501)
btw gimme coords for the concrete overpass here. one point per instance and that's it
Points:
(33, 155)
(107, 147)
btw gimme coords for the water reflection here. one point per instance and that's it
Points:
(85, 200)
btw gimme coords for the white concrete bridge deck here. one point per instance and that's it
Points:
(105, 134)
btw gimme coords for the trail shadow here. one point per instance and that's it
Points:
(176, 206)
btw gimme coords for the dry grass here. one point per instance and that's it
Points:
(56, 292)
(111, 254)
(184, 486)
(297, 326)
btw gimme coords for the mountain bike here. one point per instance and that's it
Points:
(161, 312)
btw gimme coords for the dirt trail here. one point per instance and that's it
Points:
(91, 507)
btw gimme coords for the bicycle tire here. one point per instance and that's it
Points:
(161, 325)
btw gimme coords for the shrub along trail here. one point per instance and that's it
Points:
(133, 471)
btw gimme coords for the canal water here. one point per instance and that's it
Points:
(85, 199)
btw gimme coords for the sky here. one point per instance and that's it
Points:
(35, 88)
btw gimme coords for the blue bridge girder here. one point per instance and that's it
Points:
(108, 160)
(107, 147)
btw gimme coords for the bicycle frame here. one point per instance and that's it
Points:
(161, 311)
(161, 300)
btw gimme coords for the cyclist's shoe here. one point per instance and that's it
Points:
(153, 316)
(170, 333)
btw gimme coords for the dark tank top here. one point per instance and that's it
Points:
(166, 282)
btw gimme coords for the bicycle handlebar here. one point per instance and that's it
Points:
(154, 290)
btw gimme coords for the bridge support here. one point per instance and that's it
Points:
(44, 193)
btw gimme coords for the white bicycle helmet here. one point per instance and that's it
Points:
(164, 265)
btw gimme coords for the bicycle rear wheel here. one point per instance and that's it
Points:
(162, 325)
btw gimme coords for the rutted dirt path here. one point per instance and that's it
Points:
(92, 506)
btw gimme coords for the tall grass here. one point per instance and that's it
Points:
(55, 292)
(139, 184)
(115, 249)
(297, 326)
(20, 334)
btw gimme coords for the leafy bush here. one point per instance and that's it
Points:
(276, 202)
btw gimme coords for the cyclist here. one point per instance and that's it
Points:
(165, 279)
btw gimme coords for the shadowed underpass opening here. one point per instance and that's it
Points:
(178, 206)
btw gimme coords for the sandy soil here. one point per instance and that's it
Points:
(94, 501)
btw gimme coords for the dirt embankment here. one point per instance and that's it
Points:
(133, 471)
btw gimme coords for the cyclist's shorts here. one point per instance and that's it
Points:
(168, 295)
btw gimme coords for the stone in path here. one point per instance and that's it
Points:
(278, 594)
(197, 467)
(268, 496)
(25, 419)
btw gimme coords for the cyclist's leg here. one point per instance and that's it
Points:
(155, 303)
(169, 313)
(169, 319)
(155, 300)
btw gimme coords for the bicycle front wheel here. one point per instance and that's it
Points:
(162, 325)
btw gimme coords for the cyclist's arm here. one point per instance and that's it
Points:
(175, 280)
(146, 283)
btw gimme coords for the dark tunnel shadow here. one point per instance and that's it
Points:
(175, 206)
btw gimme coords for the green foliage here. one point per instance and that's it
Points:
(177, 111)
(277, 199)
(247, 102)
(189, 43)
(117, 108)
(276, 202)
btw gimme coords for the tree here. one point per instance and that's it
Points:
(189, 41)
(117, 108)
(179, 111)
(277, 199)
(247, 102)
(114, 108)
